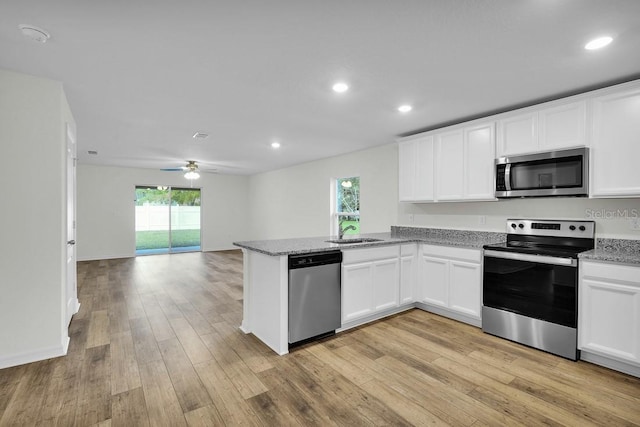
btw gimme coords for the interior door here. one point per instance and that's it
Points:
(71, 291)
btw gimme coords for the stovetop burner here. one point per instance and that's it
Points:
(558, 238)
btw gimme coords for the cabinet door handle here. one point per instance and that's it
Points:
(71, 242)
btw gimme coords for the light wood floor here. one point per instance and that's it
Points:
(156, 342)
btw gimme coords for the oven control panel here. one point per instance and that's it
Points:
(558, 228)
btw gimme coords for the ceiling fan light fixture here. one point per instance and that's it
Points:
(191, 174)
(191, 170)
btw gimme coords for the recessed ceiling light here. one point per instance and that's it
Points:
(598, 43)
(340, 87)
(34, 33)
(405, 108)
(275, 145)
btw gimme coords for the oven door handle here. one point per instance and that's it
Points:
(541, 259)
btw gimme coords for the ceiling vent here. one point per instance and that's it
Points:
(200, 136)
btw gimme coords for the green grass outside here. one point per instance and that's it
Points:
(160, 239)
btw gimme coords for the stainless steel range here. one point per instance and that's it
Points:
(530, 284)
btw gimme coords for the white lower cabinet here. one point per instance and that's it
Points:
(465, 286)
(408, 273)
(609, 315)
(434, 278)
(370, 281)
(357, 290)
(450, 282)
(386, 277)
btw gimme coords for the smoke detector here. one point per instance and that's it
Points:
(34, 33)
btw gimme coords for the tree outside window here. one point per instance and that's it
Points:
(347, 216)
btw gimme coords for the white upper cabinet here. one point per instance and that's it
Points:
(465, 166)
(458, 162)
(425, 185)
(615, 144)
(416, 177)
(450, 165)
(545, 129)
(518, 134)
(563, 126)
(479, 162)
(453, 165)
(407, 170)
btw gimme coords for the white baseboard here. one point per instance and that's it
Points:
(616, 365)
(36, 355)
(220, 248)
(99, 257)
(376, 316)
(65, 344)
(450, 314)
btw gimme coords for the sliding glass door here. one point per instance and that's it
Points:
(185, 220)
(167, 220)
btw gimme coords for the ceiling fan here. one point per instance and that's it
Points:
(191, 170)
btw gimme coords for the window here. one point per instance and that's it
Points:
(346, 217)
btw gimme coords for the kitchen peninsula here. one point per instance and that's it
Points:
(395, 287)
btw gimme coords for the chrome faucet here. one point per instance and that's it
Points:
(347, 228)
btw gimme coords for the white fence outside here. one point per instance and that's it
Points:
(157, 217)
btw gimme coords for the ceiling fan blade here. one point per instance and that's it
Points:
(172, 169)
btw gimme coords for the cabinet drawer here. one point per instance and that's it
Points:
(618, 272)
(464, 254)
(351, 256)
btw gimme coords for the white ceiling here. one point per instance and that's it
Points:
(143, 76)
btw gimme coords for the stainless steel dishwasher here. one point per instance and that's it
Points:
(314, 295)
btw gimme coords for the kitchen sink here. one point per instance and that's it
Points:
(354, 240)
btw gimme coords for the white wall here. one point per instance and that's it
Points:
(33, 112)
(106, 213)
(295, 202)
(609, 214)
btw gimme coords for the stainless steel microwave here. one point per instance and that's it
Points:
(554, 173)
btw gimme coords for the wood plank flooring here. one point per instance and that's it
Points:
(156, 342)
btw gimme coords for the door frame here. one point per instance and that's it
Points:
(71, 303)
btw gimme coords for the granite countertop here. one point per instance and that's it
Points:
(398, 235)
(614, 250)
